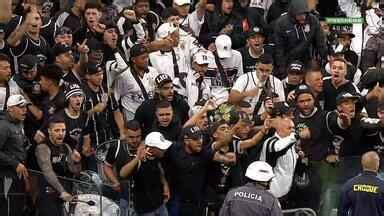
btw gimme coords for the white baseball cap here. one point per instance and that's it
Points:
(156, 139)
(16, 100)
(182, 2)
(165, 30)
(260, 171)
(201, 58)
(224, 46)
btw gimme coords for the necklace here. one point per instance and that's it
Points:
(33, 41)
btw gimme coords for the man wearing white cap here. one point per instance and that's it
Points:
(151, 189)
(253, 198)
(170, 61)
(197, 87)
(190, 22)
(225, 66)
(13, 172)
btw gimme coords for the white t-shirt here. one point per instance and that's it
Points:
(163, 63)
(233, 68)
(192, 22)
(285, 164)
(249, 81)
(192, 90)
(13, 90)
(127, 89)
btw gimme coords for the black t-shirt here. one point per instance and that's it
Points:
(40, 48)
(190, 172)
(249, 62)
(350, 140)
(54, 105)
(330, 93)
(119, 154)
(68, 19)
(70, 78)
(148, 190)
(172, 132)
(76, 129)
(316, 148)
(102, 124)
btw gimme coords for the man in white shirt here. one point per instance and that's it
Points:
(279, 152)
(253, 87)
(197, 88)
(190, 22)
(8, 87)
(136, 84)
(170, 61)
(225, 66)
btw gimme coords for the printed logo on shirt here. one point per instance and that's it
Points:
(366, 188)
(248, 195)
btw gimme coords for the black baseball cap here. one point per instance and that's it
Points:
(59, 49)
(270, 95)
(110, 25)
(192, 132)
(137, 50)
(93, 68)
(302, 89)
(343, 96)
(256, 30)
(162, 79)
(63, 30)
(296, 67)
(28, 62)
(346, 32)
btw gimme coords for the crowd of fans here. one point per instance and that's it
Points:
(169, 102)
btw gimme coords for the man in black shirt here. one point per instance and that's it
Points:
(189, 161)
(54, 101)
(145, 113)
(72, 18)
(337, 83)
(64, 35)
(151, 189)
(166, 121)
(295, 76)
(118, 155)
(55, 158)
(315, 143)
(104, 114)
(76, 120)
(64, 59)
(253, 50)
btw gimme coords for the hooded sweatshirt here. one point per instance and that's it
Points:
(298, 42)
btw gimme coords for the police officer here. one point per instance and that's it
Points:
(363, 194)
(253, 198)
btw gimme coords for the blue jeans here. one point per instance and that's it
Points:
(161, 211)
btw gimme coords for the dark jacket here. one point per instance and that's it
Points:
(297, 42)
(250, 199)
(363, 195)
(215, 21)
(145, 113)
(373, 52)
(12, 151)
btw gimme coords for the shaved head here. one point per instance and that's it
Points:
(370, 161)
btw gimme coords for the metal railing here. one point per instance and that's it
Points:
(300, 211)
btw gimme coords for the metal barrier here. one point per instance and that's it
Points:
(87, 191)
(300, 212)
